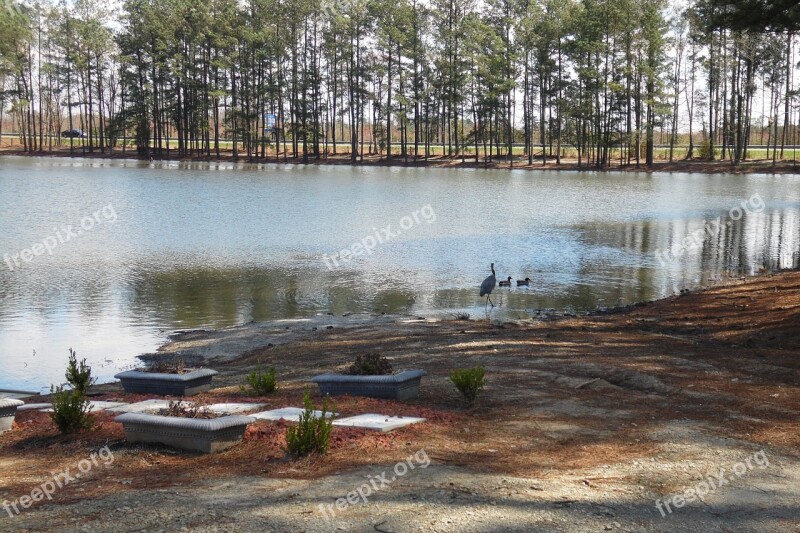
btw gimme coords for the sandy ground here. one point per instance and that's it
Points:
(585, 423)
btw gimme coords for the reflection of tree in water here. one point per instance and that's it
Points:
(608, 264)
(757, 241)
(217, 297)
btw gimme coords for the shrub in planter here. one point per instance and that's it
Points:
(261, 383)
(177, 366)
(186, 432)
(312, 434)
(186, 426)
(167, 379)
(184, 410)
(469, 381)
(371, 364)
(372, 376)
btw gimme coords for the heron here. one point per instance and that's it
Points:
(523, 282)
(506, 283)
(488, 286)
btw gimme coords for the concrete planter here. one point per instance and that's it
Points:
(191, 434)
(402, 386)
(8, 410)
(189, 384)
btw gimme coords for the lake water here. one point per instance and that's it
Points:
(155, 247)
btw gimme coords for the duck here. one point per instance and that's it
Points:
(523, 282)
(505, 283)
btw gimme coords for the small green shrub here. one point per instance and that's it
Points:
(70, 410)
(469, 381)
(79, 375)
(261, 383)
(70, 406)
(312, 434)
(371, 364)
(704, 150)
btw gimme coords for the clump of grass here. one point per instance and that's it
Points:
(312, 434)
(469, 381)
(261, 383)
(70, 406)
(371, 364)
(460, 316)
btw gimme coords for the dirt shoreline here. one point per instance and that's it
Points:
(585, 423)
(761, 166)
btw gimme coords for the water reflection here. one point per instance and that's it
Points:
(211, 246)
(618, 264)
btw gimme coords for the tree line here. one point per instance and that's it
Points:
(302, 79)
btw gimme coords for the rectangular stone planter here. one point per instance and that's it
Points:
(401, 386)
(8, 410)
(191, 434)
(189, 384)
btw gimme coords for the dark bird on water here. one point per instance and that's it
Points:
(523, 282)
(506, 283)
(488, 286)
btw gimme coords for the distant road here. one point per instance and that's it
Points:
(65, 142)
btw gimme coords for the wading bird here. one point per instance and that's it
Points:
(506, 283)
(523, 282)
(488, 286)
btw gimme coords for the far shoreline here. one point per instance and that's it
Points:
(447, 162)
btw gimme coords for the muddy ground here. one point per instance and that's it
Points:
(584, 424)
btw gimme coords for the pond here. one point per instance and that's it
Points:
(108, 256)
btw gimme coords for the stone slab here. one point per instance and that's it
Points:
(94, 406)
(31, 406)
(377, 422)
(143, 407)
(104, 406)
(8, 394)
(290, 414)
(234, 408)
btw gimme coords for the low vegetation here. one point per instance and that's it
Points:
(196, 409)
(469, 382)
(175, 366)
(70, 404)
(260, 382)
(79, 374)
(371, 364)
(312, 434)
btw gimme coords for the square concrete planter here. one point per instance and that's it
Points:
(189, 384)
(401, 386)
(8, 410)
(191, 434)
